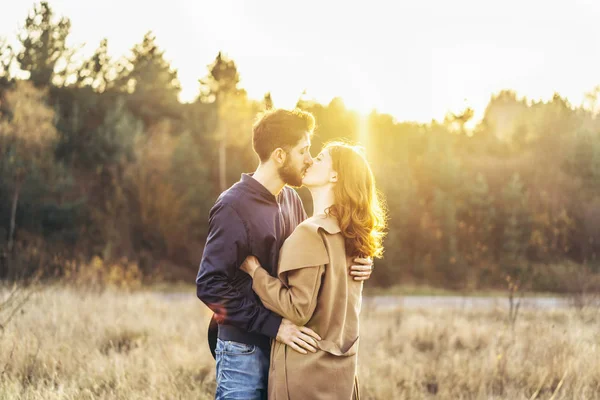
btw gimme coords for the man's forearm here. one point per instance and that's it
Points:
(232, 308)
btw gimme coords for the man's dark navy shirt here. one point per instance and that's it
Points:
(247, 219)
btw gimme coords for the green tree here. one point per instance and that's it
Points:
(26, 141)
(268, 101)
(514, 241)
(190, 175)
(108, 155)
(153, 84)
(477, 226)
(113, 140)
(95, 72)
(458, 121)
(43, 45)
(401, 199)
(503, 114)
(583, 165)
(7, 57)
(593, 99)
(583, 161)
(234, 112)
(222, 80)
(445, 209)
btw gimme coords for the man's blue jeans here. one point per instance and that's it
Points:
(242, 371)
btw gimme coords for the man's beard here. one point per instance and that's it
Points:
(289, 175)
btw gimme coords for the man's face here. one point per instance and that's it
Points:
(296, 163)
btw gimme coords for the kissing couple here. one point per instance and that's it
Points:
(286, 289)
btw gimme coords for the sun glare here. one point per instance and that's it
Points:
(363, 130)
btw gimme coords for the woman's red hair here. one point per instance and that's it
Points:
(358, 206)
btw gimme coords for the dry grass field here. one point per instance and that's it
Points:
(77, 344)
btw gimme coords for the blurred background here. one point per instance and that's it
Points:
(121, 123)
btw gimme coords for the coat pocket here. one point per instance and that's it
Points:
(337, 350)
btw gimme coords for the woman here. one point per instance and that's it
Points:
(313, 287)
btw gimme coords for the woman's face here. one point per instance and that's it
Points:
(321, 172)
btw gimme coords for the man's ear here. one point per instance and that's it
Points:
(279, 155)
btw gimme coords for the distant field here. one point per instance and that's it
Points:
(70, 344)
(399, 290)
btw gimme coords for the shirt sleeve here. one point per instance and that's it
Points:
(226, 248)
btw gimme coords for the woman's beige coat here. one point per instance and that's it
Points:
(314, 289)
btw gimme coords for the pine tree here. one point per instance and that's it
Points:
(401, 198)
(26, 141)
(95, 71)
(153, 84)
(190, 165)
(478, 221)
(115, 137)
(514, 241)
(268, 101)
(233, 110)
(445, 210)
(7, 57)
(222, 80)
(44, 44)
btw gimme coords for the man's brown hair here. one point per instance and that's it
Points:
(279, 128)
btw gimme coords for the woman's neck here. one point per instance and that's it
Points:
(322, 199)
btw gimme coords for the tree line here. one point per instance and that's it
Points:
(100, 159)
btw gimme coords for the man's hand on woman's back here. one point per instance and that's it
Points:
(362, 270)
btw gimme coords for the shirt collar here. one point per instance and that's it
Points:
(258, 187)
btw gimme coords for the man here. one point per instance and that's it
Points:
(254, 217)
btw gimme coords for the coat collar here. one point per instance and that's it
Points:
(329, 223)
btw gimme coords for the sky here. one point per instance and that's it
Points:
(415, 60)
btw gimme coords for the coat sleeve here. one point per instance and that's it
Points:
(302, 264)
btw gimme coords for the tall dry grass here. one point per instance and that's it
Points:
(77, 344)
